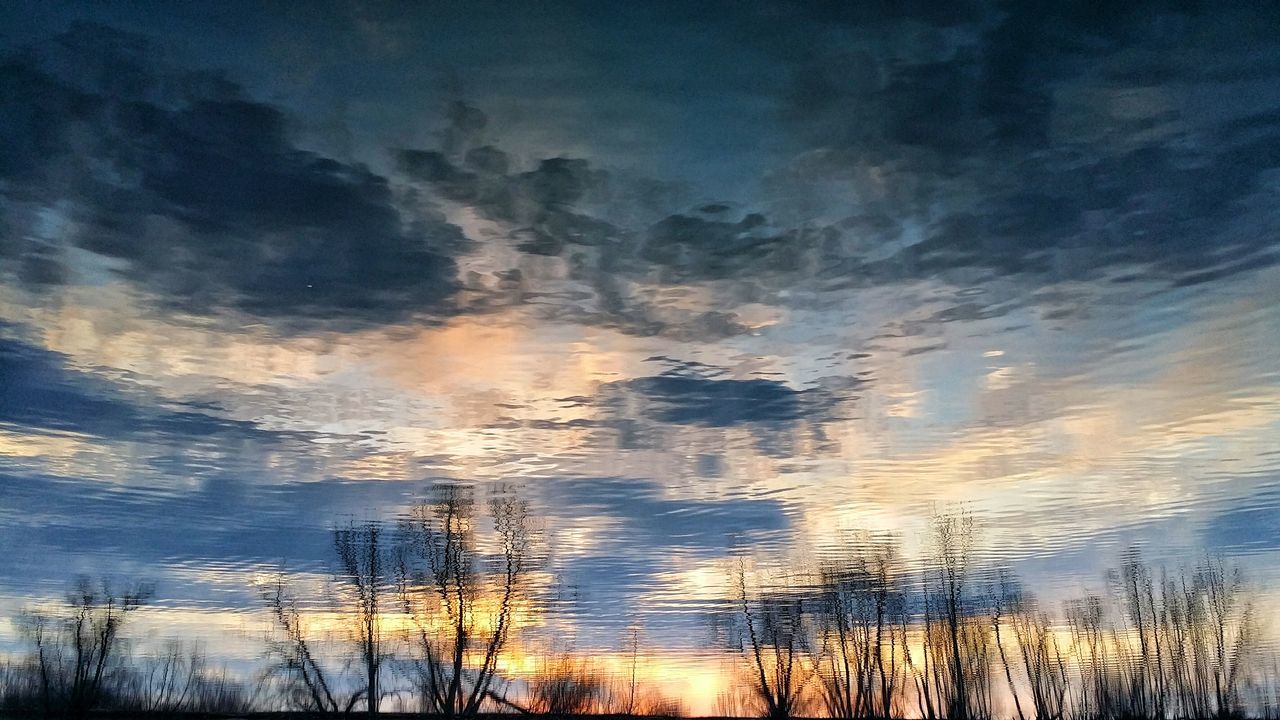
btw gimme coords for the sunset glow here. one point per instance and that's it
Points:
(670, 341)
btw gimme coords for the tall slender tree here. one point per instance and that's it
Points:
(462, 603)
(365, 570)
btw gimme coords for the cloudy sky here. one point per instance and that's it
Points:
(689, 279)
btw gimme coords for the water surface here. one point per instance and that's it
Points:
(696, 284)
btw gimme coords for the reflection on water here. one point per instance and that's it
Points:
(448, 612)
(736, 342)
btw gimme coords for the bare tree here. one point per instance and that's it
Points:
(862, 622)
(364, 571)
(169, 681)
(963, 675)
(566, 685)
(1042, 659)
(633, 653)
(1209, 631)
(922, 674)
(775, 644)
(1231, 620)
(178, 679)
(362, 576)
(1086, 618)
(1178, 647)
(462, 603)
(1005, 599)
(310, 686)
(76, 646)
(1145, 696)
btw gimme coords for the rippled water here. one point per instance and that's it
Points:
(691, 291)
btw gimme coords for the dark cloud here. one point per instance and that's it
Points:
(619, 238)
(689, 248)
(631, 315)
(653, 412)
(549, 211)
(224, 523)
(658, 523)
(984, 143)
(692, 400)
(980, 141)
(879, 11)
(39, 390)
(1030, 144)
(699, 395)
(539, 203)
(200, 190)
(562, 205)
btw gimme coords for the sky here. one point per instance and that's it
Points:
(690, 278)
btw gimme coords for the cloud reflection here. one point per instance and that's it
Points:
(866, 260)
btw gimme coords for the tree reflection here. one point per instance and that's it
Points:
(420, 615)
(461, 601)
(775, 639)
(305, 682)
(962, 638)
(862, 620)
(77, 645)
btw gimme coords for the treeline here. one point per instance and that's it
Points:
(80, 661)
(422, 614)
(864, 634)
(425, 609)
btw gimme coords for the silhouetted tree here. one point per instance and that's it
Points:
(364, 570)
(775, 643)
(462, 603)
(1004, 600)
(633, 657)
(178, 679)
(1145, 670)
(1208, 630)
(925, 674)
(169, 681)
(1085, 617)
(77, 645)
(1231, 619)
(309, 685)
(566, 685)
(862, 620)
(1175, 647)
(962, 679)
(1042, 659)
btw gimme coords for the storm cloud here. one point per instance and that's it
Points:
(1047, 144)
(199, 192)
